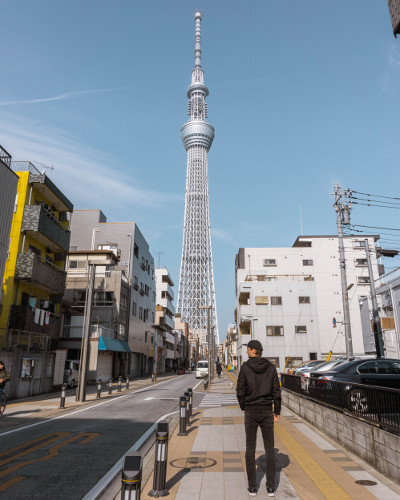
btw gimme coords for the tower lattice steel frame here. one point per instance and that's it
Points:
(196, 282)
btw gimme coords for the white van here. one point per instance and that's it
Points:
(71, 373)
(202, 369)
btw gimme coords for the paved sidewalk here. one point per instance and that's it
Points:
(209, 463)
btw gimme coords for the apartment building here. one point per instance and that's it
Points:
(231, 347)
(165, 320)
(8, 191)
(291, 299)
(34, 278)
(124, 296)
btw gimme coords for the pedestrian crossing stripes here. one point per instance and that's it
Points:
(218, 399)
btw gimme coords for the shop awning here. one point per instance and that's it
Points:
(108, 344)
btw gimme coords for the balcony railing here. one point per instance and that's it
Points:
(22, 318)
(27, 341)
(279, 277)
(31, 267)
(38, 219)
(5, 157)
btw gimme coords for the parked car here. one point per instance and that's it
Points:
(381, 372)
(327, 365)
(71, 373)
(306, 366)
(202, 369)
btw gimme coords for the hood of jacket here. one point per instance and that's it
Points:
(258, 365)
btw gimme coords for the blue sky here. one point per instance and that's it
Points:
(302, 95)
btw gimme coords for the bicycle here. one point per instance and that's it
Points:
(3, 403)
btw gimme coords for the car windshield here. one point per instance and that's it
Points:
(202, 364)
(329, 365)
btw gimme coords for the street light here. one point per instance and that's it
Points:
(208, 340)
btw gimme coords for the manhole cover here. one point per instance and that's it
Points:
(193, 463)
(366, 482)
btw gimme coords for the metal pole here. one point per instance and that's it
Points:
(160, 461)
(127, 382)
(190, 391)
(377, 323)
(62, 400)
(120, 384)
(182, 416)
(342, 260)
(110, 385)
(187, 396)
(209, 343)
(81, 391)
(131, 476)
(154, 374)
(99, 389)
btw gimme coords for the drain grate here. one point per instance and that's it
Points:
(366, 482)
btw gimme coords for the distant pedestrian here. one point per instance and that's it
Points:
(259, 395)
(219, 369)
(4, 377)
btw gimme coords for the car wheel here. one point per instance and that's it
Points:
(357, 401)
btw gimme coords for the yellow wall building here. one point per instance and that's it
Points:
(34, 277)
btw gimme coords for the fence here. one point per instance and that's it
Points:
(377, 405)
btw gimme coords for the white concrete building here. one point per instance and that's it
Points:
(165, 317)
(290, 299)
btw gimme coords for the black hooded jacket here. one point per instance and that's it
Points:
(258, 386)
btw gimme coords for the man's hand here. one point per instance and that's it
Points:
(276, 418)
(1, 380)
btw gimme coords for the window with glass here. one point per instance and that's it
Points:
(269, 262)
(276, 301)
(304, 300)
(307, 262)
(300, 329)
(274, 331)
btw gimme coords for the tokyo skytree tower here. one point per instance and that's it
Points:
(196, 282)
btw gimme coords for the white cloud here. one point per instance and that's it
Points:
(64, 95)
(87, 176)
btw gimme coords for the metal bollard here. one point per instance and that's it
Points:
(119, 384)
(187, 396)
(110, 386)
(190, 391)
(205, 385)
(182, 416)
(127, 382)
(131, 476)
(160, 461)
(99, 389)
(62, 400)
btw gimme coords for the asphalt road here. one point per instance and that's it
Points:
(64, 458)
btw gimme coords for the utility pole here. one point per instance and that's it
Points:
(343, 217)
(377, 324)
(209, 342)
(81, 390)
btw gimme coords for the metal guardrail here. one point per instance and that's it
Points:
(376, 405)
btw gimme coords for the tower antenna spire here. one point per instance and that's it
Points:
(197, 50)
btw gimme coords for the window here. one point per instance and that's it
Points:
(274, 361)
(382, 367)
(300, 329)
(304, 300)
(145, 337)
(358, 244)
(35, 250)
(361, 263)
(134, 308)
(101, 298)
(363, 280)
(308, 262)
(261, 300)
(274, 331)
(140, 312)
(136, 251)
(276, 301)
(269, 262)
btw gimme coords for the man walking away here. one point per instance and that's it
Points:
(259, 395)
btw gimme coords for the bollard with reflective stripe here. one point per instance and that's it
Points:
(62, 400)
(160, 462)
(119, 383)
(127, 382)
(110, 386)
(131, 476)
(99, 389)
(190, 391)
(205, 383)
(187, 396)
(182, 416)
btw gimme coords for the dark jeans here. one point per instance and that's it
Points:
(252, 420)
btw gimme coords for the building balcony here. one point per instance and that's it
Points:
(32, 268)
(22, 320)
(39, 223)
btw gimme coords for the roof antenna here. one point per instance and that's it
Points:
(45, 167)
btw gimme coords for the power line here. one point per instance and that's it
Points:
(374, 195)
(372, 205)
(376, 227)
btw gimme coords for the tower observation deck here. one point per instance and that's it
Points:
(196, 282)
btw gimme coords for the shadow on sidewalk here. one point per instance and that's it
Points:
(172, 481)
(281, 462)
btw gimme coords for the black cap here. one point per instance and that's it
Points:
(255, 344)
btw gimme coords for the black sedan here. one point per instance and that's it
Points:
(358, 375)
